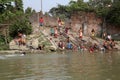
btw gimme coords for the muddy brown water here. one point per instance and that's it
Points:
(60, 66)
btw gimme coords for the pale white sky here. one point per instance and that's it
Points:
(47, 4)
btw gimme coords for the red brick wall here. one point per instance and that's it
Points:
(48, 20)
(112, 29)
(90, 20)
(77, 19)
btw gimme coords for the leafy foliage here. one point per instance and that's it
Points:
(11, 13)
(107, 9)
(22, 26)
(60, 11)
(2, 43)
(114, 14)
(29, 11)
(66, 11)
(19, 5)
(78, 6)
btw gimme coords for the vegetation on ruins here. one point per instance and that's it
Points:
(12, 16)
(109, 10)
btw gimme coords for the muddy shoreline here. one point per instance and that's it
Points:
(43, 51)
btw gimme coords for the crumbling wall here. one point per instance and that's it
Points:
(112, 29)
(87, 21)
(48, 20)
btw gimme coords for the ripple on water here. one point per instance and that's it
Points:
(38, 77)
(61, 67)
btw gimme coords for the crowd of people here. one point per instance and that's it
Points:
(107, 44)
(60, 29)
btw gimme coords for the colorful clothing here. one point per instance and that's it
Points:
(41, 21)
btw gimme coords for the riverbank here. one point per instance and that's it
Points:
(43, 37)
(51, 51)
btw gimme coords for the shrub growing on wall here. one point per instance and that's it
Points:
(22, 26)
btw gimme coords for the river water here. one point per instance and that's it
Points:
(60, 66)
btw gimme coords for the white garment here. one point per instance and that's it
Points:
(23, 36)
(109, 36)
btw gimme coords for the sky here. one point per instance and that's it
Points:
(46, 4)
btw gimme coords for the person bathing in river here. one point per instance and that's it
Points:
(66, 30)
(106, 45)
(109, 37)
(81, 47)
(55, 32)
(104, 35)
(75, 47)
(61, 45)
(112, 44)
(68, 39)
(23, 39)
(20, 38)
(93, 34)
(80, 33)
(95, 46)
(59, 24)
(69, 44)
(91, 49)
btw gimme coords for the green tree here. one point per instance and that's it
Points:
(19, 5)
(29, 11)
(78, 6)
(60, 11)
(113, 16)
(11, 13)
(22, 26)
(66, 11)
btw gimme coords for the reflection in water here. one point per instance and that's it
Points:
(61, 66)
